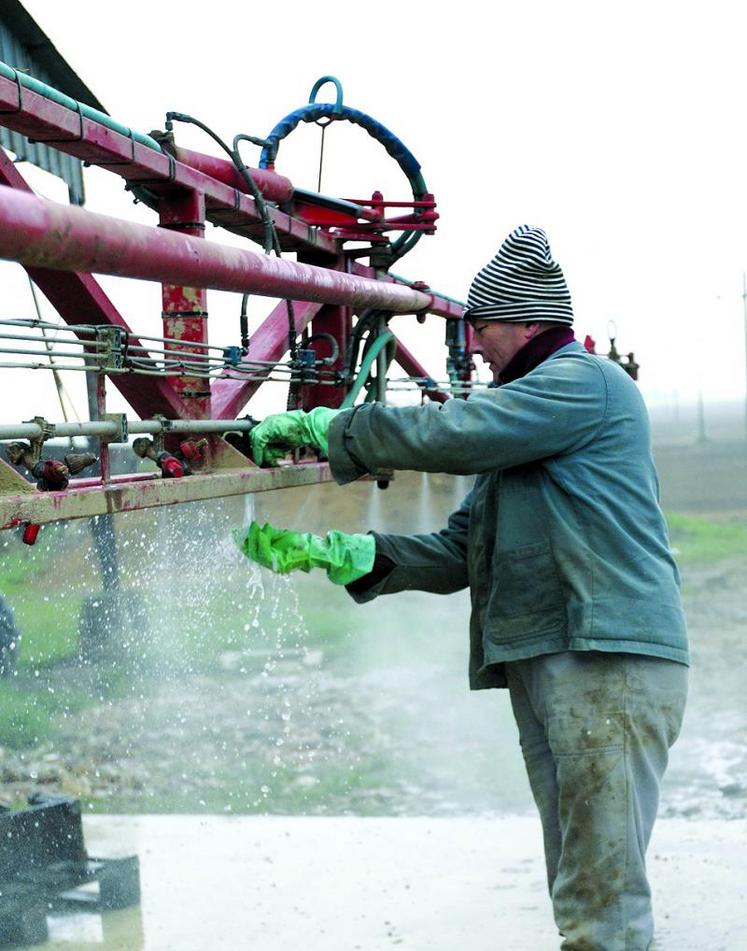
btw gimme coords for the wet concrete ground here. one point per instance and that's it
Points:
(352, 884)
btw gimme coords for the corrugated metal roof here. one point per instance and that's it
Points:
(24, 45)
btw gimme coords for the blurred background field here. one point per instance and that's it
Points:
(230, 690)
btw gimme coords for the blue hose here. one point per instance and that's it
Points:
(314, 111)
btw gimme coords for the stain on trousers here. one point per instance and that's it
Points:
(595, 732)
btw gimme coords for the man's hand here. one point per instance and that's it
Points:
(345, 557)
(284, 432)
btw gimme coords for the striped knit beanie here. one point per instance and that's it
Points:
(521, 283)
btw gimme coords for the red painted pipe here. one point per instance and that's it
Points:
(40, 233)
(274, 187)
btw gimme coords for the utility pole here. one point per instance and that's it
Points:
(700, 409)
(700, 402)
(744, 307)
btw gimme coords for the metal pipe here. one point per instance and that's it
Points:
(109, 428)
(44, 353)
(8, 365)
(40, 233)
(38, 339)
(80, 329)
(184, 309)
(274, 187)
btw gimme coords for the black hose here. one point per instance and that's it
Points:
(271, 242)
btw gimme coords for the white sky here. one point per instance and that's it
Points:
(619, 128)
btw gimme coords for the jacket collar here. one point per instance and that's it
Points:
(535, 352)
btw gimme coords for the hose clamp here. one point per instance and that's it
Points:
(122, 432)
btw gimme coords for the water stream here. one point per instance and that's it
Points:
(212, 685)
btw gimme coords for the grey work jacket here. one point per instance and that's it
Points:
(561, 540)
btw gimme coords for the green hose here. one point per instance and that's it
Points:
(406, 281)
(383, 340)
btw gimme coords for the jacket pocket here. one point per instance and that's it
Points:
(526, 582)
(526, 601)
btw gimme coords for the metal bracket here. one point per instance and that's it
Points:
(118, 161)
(197, 312)
(110, 348)
(120, 420)
(159, 439)
(137, 182)
(19, 87)
(48, 431)
(74, 138)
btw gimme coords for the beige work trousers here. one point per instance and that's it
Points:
(595, 731)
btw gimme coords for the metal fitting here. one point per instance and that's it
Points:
(120, 421)
(111, 344)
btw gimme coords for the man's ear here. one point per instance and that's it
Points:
(532, 329)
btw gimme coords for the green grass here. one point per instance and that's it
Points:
(698, 540)
(265, 790)
(42, 587)
(46, 596)
(27, 715)
(49, 628)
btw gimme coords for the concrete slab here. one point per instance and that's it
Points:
(353, 884)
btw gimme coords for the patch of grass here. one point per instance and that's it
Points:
(266, 790)
(27, 716)
(48, 626)
(701, 540)
(16, 571)
(24, 722)
(45, 586)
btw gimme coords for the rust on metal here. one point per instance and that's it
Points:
(184, 306)
(127, 496)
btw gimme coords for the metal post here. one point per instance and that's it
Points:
(104, 458)
(701, 417)
(102, 527)
(185, 308)
(338, 323)
(381, 366)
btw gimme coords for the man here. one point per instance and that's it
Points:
(575, 596)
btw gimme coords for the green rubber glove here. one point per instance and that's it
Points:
(345, 557)
(283, 432)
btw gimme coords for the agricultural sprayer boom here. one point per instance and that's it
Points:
(328, 336)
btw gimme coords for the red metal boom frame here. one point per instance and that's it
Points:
(326, 286)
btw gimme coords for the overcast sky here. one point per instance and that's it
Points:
(619, 128)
